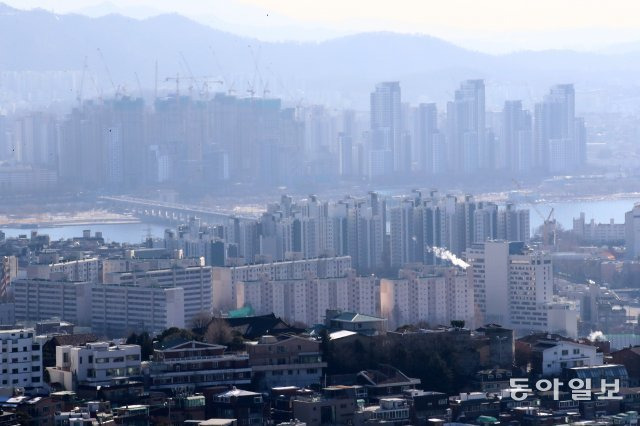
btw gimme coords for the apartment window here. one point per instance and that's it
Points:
(565, 352)
(576, 351)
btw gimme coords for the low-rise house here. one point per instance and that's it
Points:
(392, 411)
(359, 323)
(630, 358)
(285, 360)
(247, 408)
(320, 410)
(608, 372)
(49, 348)
(385, 382)
(468, 406)
(492, 380)
(190, 365)
(38, 410)
(551, 354)
(428, 405)
(95, 364)
(254, 327)
(281, 400)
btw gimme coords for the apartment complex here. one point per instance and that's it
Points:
(195, 281)
(307, 300)
(286, 360)
(224, 279)
(146, 306)
(37, 300)
(433, 295)
(513, 286)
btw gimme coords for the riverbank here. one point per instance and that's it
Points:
(59, 219)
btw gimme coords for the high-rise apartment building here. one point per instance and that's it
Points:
(516, 141)
(37, 300)
(386, 145)
(513, 286)
(466, 129)
(559, 137)
(195, 281)
(436, 296)
(306, 300)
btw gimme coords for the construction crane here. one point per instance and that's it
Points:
(177, 80)
(81, 87)
(548, 223)
(106, 67)
(192, 77)
(205, 86)
(204, 79)
(139, 85)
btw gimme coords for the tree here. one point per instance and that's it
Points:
(200, 321)
(145, 342)
(457, 323)
(175, 333)
(219, 332)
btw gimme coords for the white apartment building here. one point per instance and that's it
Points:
(437, 298)
(224, 279)
(72, 270)
(21, 362)
(119, 309)
(306, 300)
(196, 283)
(98, 363)
(129, 264)
(37, 300)
(598, 233)
(513, 287)
(632, 232)
(562, 317)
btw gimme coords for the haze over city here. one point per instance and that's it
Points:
(279, 212)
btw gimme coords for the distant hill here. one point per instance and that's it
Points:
(346, 66)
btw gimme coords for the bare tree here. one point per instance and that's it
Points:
(218, 332)
(200, 320)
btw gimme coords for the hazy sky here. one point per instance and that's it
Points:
(488, 25)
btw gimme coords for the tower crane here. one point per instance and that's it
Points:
(548, 222)
(106, 67)
(81, 86)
